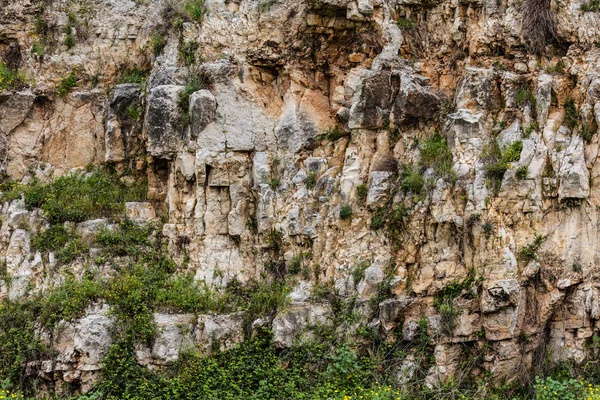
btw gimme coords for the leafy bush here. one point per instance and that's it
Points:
(133, 75)
(332, 134)
(591, 6)
(187, 52)
(571, 115)
(195, 10)
(69, 38)
(157, 43)
(67, 84)
(361, 193)
(529, 251)
(404, 23)
(345, 212)
(436, 154)
(78, 197)
(9, 78)
(311, 180)
(411, 180)
(496, 162)
(19, 343)
(550, 389)
(525, 96)
(522, 173)
(194, 84)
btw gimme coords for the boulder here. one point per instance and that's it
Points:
(164, 122)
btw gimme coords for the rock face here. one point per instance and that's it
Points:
(257, 129)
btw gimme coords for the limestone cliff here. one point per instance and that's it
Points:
(428, 162)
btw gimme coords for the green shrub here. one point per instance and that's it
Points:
(128, 239)
(571, 115)
(529, 251)
(525, 96)
(378, 219)
(275, 183)
(157, 43)
(265, 5)
(332, 134)
(69, 39)
(67, 84)
(361, 193)
(436, 154)
(586, 133)
(591, 6)
(496, 162)
(133, 113)
(78, 197)
(133, 75)
(311, 180)
(19, 343)
(522, 173)
(550, 389)
(187, 52)
(295, 265)
(193, 84)
(529, 129)
(345, 212)
(9, 78)
(195, 10)
(69, 300)
(404, 23)
(358, 273)
(38, 48)
(51, 239)
(411, 180)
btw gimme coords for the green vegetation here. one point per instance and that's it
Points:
(591, 6)
(69, 38)
(488, 229)
(559, 68)
(361, 193)
(525, 97)
(587, 133)
(296, 264)
(9, 79)
(67, 84)
(133, 75)
(358, 273)
(133, 113)
(193, 84)
(195, 10)
(187, 52)
(496, 162)
(411, 180)
(157, 43)
(436, 154)
(332, 134)
(522, 173)
(38, 48)
(265, 5)
(529, 251)
(79, 196)
(529, 129)
(311, 180)
(404, 23)
(571, 115)
(345, 212)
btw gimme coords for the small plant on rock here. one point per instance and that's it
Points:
(522, 172)
(361, 193)
(345, 212)
(67, 84)
(311, 180)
